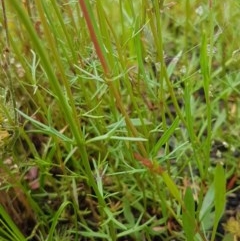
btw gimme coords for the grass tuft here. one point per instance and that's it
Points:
(119, 120)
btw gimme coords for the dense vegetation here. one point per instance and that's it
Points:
(119, 120)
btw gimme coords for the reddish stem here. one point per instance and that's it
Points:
(94, 36)
(232, 182)
(147, 163)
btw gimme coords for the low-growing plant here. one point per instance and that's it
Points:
(118, 119)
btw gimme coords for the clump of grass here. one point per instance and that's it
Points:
(116, 107)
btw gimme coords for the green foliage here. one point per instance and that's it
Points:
(220, 196)
(188, 217)
(11, 232)
(109, 111)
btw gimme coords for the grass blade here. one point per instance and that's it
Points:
(188, 217)
(13, 229)
(220, 196)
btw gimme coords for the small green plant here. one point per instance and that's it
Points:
(109, 116)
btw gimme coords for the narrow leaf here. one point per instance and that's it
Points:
(220, 191)
(188, 216)
(172, 187)
(220, 196)
(165, 137)
(207, 203)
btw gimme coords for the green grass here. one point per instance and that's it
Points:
(111, 114)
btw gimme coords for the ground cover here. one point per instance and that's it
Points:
(119, 120)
